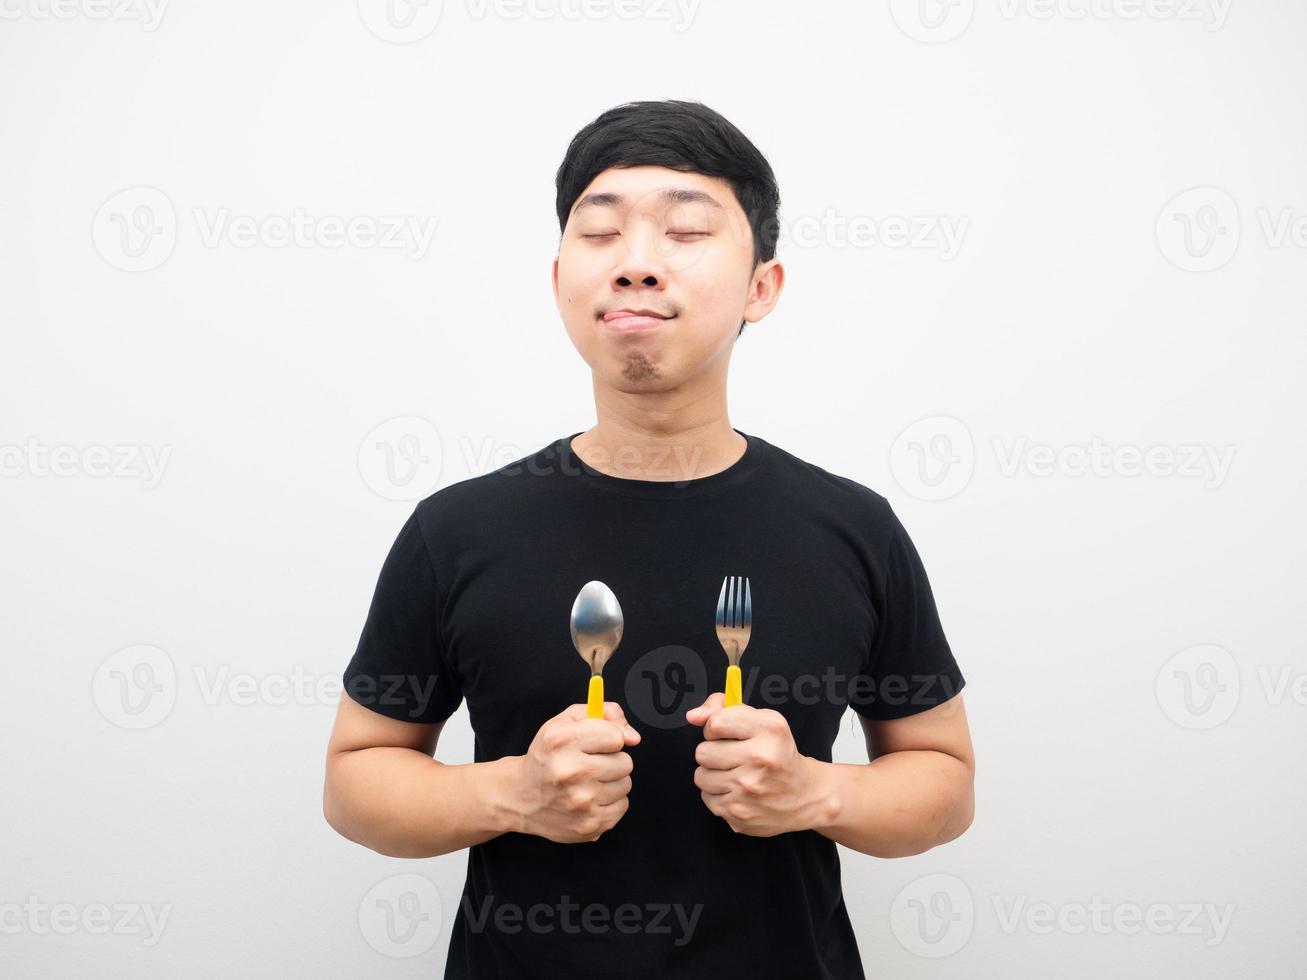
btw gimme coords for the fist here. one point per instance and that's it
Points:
(750, 773)
(575, 777)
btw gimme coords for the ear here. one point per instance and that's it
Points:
(765, 290)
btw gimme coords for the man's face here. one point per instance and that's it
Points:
(686, 255)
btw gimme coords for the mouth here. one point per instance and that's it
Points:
(631, 321)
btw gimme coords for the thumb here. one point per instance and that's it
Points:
(613, 712)
(699, 715)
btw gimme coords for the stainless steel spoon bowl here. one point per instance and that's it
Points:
(596, 624)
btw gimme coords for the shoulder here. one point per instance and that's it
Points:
(486, 496)
(833, 492)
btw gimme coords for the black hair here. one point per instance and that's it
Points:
(679, 135)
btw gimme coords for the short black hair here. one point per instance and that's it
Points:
(679, 135)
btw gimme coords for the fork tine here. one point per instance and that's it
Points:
(721, 604)
(748, 606)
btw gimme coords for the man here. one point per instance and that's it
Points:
(656, 841)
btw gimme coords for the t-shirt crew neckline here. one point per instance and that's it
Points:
(734, 474)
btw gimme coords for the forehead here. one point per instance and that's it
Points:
(655, 188)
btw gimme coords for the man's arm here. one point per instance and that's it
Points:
(916, 792)
(384, 790)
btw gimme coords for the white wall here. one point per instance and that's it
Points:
(1131, 634)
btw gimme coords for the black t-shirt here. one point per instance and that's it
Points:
(473, 603)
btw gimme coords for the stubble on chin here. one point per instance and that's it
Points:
(638, 367)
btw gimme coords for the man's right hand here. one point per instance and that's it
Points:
(575, 777)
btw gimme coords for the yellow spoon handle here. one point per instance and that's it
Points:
(733, 685)
(594, 706)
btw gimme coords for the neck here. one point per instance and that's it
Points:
(656, 437)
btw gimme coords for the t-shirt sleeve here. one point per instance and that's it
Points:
(400, 667)
(910, 666)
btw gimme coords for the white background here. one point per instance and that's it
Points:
(1095, 299)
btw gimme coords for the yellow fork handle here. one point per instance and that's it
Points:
(594, 706)
(733, 685)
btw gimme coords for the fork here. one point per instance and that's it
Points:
(734, 621)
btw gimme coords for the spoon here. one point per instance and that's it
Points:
(596, 631)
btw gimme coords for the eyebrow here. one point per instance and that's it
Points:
(670, 195)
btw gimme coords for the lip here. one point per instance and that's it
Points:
(627, 321)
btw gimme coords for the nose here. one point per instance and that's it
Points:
(640, 261)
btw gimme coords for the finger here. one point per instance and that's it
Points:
(612, 792)
(613, 712)
(741, 721)
(610, 813)
(697, 716)
(597, 735)
(605, 767)
(712, 782)
(719, 754)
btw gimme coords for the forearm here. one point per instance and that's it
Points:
(899, 804)
(403, 803)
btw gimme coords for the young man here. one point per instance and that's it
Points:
(674, 837)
